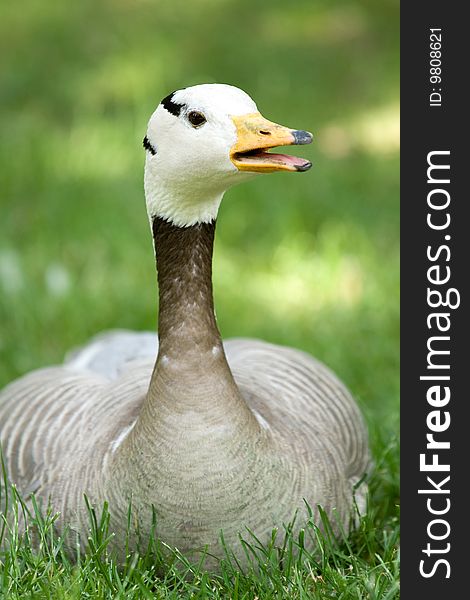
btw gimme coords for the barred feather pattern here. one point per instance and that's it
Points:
(68, 430)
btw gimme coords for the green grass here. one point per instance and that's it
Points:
(364, 564)
(309, 260)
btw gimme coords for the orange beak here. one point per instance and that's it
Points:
(255, 135)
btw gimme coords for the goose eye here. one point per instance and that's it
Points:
(196, 118)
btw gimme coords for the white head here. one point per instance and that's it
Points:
(202, 140)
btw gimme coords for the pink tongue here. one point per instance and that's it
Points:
(286, 159)
(282, 159)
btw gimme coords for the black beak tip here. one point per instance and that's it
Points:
(302, 137)
(305, 167)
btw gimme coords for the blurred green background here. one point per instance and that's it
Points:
(308, 260)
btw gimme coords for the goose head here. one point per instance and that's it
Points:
(200, 141)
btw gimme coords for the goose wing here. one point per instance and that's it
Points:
(111, 352)
(297, 393)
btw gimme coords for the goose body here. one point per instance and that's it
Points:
(210, 436)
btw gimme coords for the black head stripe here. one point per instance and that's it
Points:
(172, 107)
(148, 146)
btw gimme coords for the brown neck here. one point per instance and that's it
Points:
(186, 323)
(191, 372)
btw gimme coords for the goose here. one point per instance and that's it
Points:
(201, 435)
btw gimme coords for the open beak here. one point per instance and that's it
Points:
(256, 135)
